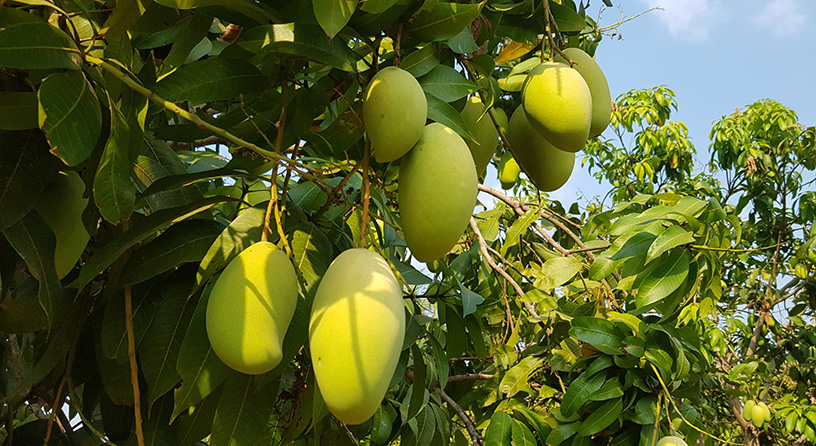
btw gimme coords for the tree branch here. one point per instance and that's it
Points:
(471, 428)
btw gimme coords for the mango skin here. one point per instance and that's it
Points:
(546, 166)
(394, 113)
(758, 416)
(437, 192)
(558, 105)
(671, 440)
(487, 137)
(356, 332)
(251, 307)
(747, 410)
(501, 118)
(61, 208)
(598, 88)
(509, 170)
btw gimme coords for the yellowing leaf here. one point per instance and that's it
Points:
(513, 51)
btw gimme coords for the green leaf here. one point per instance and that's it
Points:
(377, 6)
(200, 369)
(27, 42)
(516, 379)
(645, 411)
(187, 241)
(443, 113)
(418, 390)
(517, 230)
(243, 411)
(561, 432)
(600, 333)
(26, 169)
(299, 40)
(578, 392)
(667, 277)
(332, 15)
(447, 84)
(499, 429)
(148, 227)
(124, 16)
(522, 436)
(35, 243)
(312, 251)
(242, 232)
(381, 424)
(210, 80)
(190, 35)
(410, 274)
(70, 116)
(444, 21)
(601, 418)
(114, 191)
(160, 346)
(463, 42)
(421, 61)
(114, 338)
(672, 237)
(557, 271)
(566, 18)
(18, 110)
(470, 300)
(243, 12)
(161, 161)
(611, 389)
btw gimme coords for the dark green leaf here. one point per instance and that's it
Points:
(418, 390)
(672, 237)
(601, 418)
(463, 42)
(114, 191)
(28, 42)
(470, 300)
(611, 389)
(578, 392)
(443, 113)
(421, 61)
(600, 333)
(114, 337)
(243, 411)
(299, 40)
(26, 168)
(210, 80)
(18, 110)
(444, 21)
(70, 116)
(447, 84)
(667, 277)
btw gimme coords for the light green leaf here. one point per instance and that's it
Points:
(516, 379)
(28, 42)
(332, 15)
(114, 191)
(70, 116)
(470, 300)
(18, 110)
(243, 411)
(499, 430)
(210, 80)
(601, 418)
(663, 280)
(410, 274)
(447, 84)
(312, 251)
(444, 21)
(517, 230)
(600, 333)
(124, 16)
(443, 113)
(672, 237)
(557, 271)
(522, 436)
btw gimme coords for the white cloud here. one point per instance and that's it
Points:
(687, 20)
(782, 16)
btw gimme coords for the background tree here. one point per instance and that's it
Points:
(546, 324)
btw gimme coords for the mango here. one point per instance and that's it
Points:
(546, 166)
(501, 117)
(671, 440)
(747, 410)
(356, 332)
(558, 104)
(437, 192)
(766, 411)
(394, 113)
(509, 170)
(598, 88)
(251, 307)
(61, 208)
(483, 129)
(757, 416)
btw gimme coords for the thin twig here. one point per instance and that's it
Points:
(366, 194)
(471, 428)
(134, 368)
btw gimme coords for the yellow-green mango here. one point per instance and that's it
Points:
(61, 208)
(501, 118)
(509, 170)
(671, 440)
(251, 307)
(512, 83)
(747, 410)
(546, 166)
(757, 415)
(558, 105)
(394, 113)
(437, 192)
(356, 332)
(483, 129)
(598, 87)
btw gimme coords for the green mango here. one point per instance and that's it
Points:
(546, 166)
(509, 170)
(394, 113)
(61, 208)
(251, 307)
(483, 129)
(356, 332)
(558, 104)
(671, 440)
(437, 192)
(598, 87)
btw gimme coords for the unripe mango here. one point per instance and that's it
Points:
(671, 440)
(61, 208)
(546, 166)
(394, 113)
(251, 307)
(501, 117)
(747, 410)
(508, 170)
(483, 129)
(766, 411)
(559, 105)
(598, 88)
(356, 332)
(437, 192)
(757, 416)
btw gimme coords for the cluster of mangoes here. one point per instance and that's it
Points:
(757, 413)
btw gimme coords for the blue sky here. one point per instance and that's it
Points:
(716, 55)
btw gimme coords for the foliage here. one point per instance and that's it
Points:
(545, 324)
